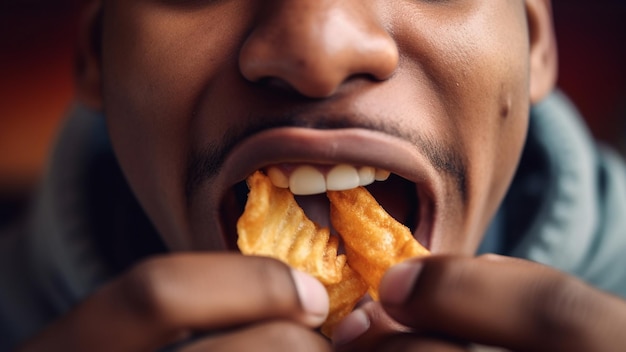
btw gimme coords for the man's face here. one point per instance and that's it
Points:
(199, 94)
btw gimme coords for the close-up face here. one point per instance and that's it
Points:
(197, 95)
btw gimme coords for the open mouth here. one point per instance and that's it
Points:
(309, 162)
(309, 183)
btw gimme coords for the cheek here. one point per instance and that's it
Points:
(499, 128)
(157, 66)
(494, 134)
(477, 65)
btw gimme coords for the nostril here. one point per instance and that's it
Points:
(314, 81)
(276, 84)
(278, 88)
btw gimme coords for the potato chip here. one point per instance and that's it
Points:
(374, 240)
(274, 225)
(343, 296)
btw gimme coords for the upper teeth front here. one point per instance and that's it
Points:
(308, 180)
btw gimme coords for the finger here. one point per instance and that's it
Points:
(166, 299)
(400, 342)
(274, 336)
(414, 343)
(509, 303)
(369, 328)
(364, 327)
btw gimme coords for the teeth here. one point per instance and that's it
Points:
(382, 175)
(342, 177)
(366, 175)
(277, 177)
(309, 180)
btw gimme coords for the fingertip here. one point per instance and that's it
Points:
(398, 282)
(313, 297)
(351, 327)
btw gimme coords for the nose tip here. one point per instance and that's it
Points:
(316, 49)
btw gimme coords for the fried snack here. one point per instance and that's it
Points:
(374, 241)
(343, 296)
(274, 225)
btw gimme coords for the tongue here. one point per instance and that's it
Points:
(316, 208)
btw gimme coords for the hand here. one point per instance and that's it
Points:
(239, 303)
(451, 303)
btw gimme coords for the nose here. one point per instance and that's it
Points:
(314, 46)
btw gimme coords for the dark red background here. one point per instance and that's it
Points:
(36, 48)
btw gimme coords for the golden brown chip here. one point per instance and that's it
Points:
(374, 240)
(274, 225)
(343, 296)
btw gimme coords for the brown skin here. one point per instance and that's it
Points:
(175, 83)
(437, 92)
(489, 300)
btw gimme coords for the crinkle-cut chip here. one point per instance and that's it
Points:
(274, 225)
(374, 240)
(343, 296)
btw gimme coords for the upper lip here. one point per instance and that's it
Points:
(355, 146)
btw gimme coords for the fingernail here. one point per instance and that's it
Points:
(352, 326)
(397, 284)
(313, 297)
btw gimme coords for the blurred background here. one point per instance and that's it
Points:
(36, 80)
